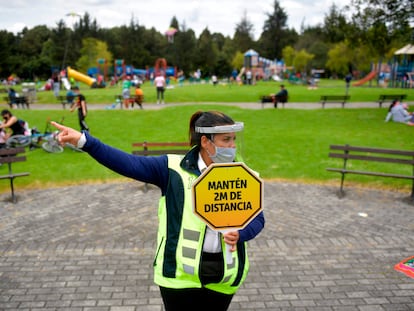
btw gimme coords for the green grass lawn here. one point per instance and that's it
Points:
(199, 93)
(286, 144)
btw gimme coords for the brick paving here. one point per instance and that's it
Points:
(90, 247)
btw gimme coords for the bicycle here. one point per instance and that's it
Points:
(47, 140)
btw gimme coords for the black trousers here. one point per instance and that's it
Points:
(82, 123)
(189, 299)
(200, 299)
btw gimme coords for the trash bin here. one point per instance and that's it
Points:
(29, 91)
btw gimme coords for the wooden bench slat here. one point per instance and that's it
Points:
(14, 175)
(158, 152)
(370, 158)
(13, 159)
(373, 150)
(11, 151)
(160, 144)
(339, 170)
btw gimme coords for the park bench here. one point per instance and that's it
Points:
(20, 101)
(66, 100)
(334, 99)
(9, 156)
(133, 99)
(385, 157)
(160, 148)
(390, 97)
(274, 99)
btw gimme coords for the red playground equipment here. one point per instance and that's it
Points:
(160, 66)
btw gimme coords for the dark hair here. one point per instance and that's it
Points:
(6, 111)
(206, 119)
(394, 102)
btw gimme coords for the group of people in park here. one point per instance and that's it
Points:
(191, 265)
(160, 85)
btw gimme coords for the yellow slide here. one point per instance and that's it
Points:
(80, 77)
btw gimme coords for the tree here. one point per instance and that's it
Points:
(185, 43)
(207, 53)
(312, 40)
(243, 36)
(339, 58)
(390, 12)
(276, 35)
(7, 50)
(302, 60)
(238, 60)
(92, 49)
(335, 25)
(288, 54)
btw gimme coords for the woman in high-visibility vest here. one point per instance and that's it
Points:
(190, 263)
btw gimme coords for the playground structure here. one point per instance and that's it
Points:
(80, 77)
(397, 73)
(367, 78)
(160, 67)
(260, 67)
(102, 62)
(403, 67)
(120, 71)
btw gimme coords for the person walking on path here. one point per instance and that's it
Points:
(189, 266)
(56, 83)
(80, 103)
(160, 84)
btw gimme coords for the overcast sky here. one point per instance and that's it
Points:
(217, 15)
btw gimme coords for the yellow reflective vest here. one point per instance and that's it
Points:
(181, 236)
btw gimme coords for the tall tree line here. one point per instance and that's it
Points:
(371, 30)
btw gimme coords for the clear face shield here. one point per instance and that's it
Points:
(225, 143)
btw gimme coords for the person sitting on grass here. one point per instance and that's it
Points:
(11, 122)
(398, 112)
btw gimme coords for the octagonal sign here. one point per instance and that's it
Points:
(227, 196)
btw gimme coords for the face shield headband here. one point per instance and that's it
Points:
(236, 127)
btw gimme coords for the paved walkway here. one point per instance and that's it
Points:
(90, 247)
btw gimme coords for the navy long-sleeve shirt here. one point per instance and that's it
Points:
(153, 170)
